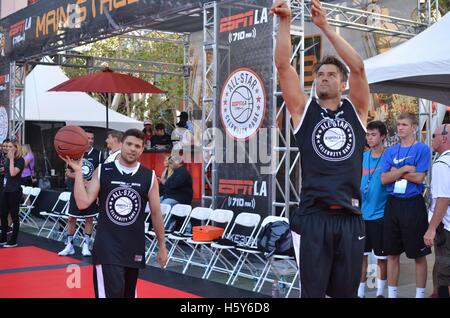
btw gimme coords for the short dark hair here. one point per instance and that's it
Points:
(410, 116)
(89, 131)
(330, 59)
(116, 134)
(160, 126)
(134, 133)
(378, 125)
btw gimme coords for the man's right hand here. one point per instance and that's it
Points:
(280, 9)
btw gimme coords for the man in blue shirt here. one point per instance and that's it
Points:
(405, 216)
(374, 196)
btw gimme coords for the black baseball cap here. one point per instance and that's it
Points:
(183, 115)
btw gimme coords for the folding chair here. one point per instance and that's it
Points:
(199, 214)
(266, 263)
(27, 206)
(179, 210)
(243, 220)
(54, 215)
(150, 235)
(218, 217)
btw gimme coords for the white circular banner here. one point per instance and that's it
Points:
(242, 103)
(3, 123)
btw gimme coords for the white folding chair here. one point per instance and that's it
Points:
(150, 234)
(54, 215)
(27, 206)
(243, 220)
(218, 217)
(200, 214)
(178, 210)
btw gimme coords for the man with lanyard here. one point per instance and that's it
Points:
(374, 196)
(91, 159)
(438, 232)
(405, 216)
(123, 188)
(327, 228)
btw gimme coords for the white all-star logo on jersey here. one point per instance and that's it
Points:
(333, 139)
(123, 206)
(87, 168)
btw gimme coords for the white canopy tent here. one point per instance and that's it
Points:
(418, 67)
(72, 108)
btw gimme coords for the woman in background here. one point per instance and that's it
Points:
(12, 193)
(28, 171)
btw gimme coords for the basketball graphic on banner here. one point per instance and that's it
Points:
(243, 104)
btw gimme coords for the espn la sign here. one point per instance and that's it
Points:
(242, 20)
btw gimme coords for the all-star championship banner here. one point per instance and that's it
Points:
(244, 107)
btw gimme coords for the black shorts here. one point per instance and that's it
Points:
(374, 237)
(405, 223)
(115, 281)
(77, 213)
(331, 253)
(442, 253)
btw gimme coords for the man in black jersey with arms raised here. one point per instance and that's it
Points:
(328, 230)
(123, 188)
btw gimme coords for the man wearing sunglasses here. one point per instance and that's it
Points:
(438, 232)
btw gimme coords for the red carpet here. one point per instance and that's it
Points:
(30, 256)
(61, 282)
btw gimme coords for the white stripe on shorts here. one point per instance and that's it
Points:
(100, 282)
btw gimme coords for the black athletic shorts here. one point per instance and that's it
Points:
(374, 237)
(115, 281)
(405, 223)
(331, 252)
(77, 213)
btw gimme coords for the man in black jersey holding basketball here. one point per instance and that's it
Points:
(123, 188)
(327, 228)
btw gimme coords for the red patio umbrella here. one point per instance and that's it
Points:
(107, 81)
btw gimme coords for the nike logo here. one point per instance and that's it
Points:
(107, 169)
(397, 161)
(360, 237)
(423, 249)
(365, 171)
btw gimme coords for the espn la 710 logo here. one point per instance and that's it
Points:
(243, 20)
(243, 187)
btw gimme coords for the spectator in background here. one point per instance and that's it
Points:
(12, 193)
(148, 133)
(161, 138)
(373, 197)
(167, 172)
(184, 122)
(28, 171)
(178, 187)
(114, 145)
(3, 156)
(404, 168)
(438, 232)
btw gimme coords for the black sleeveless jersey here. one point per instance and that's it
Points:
(91, 160)
(331, 146)
(120, 237)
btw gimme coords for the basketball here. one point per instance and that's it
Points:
(71, 141)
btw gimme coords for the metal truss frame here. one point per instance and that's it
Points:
(17, 76)
(210, 78)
